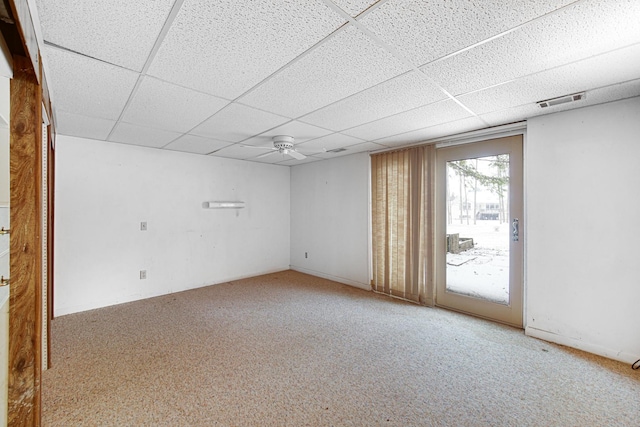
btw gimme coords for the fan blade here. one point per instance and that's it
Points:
(308, 153)
(265, 154)
(296, 155)
(262, 148)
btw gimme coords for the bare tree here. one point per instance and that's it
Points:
(497, 183)
(475, 194)
(501, 163)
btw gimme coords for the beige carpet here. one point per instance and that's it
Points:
(288, 349)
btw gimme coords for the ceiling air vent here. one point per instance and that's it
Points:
(561, 100)
(336, 150)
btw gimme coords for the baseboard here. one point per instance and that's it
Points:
(123, 299)
(342, 280)
(581, 345)
(94, 305)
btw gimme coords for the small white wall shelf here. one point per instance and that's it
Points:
(223, 205)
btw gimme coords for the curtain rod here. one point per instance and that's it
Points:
(463, 138)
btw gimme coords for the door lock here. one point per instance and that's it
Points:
(515, 230)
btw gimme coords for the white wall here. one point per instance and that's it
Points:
(104, 191)
(582, 209)
(330, 219)
(583, 222)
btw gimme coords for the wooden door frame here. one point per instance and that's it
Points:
(25, 302)
(29, 93)
(51, 164)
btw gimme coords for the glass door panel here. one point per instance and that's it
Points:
(477, 232)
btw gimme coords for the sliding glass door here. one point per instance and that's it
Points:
(479, 249)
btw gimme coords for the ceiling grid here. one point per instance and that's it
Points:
(214, 76)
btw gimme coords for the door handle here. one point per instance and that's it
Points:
(515, 230)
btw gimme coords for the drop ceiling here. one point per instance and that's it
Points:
(212, 77)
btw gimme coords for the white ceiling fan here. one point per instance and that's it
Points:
(282, 144)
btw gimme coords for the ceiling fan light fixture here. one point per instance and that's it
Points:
(562, 100)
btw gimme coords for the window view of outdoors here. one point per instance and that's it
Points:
(478, 228)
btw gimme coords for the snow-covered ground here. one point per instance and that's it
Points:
(483, 271)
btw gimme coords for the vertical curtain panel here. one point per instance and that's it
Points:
(403, 223)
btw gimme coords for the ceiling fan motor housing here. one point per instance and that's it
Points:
(283, 142)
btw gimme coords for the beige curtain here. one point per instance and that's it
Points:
(403, 223)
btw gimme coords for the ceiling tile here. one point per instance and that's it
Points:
(87, 127)
(444, 129)
(394, 96)
(614, 92)
(329, 142)
(169, 107)
(343, 65)
(196, 144)
(365, 146)
(225, 47)
(300, 131)
(242, 72)
(588, 74)
(120, 32)
(238, 122)
(572, 34)
(237, 151)
(127, 133)
(354, 7)
(353, 149)
(523, 112)
(84, 86)
(418, 118)
(413, 26)
(593, 97)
